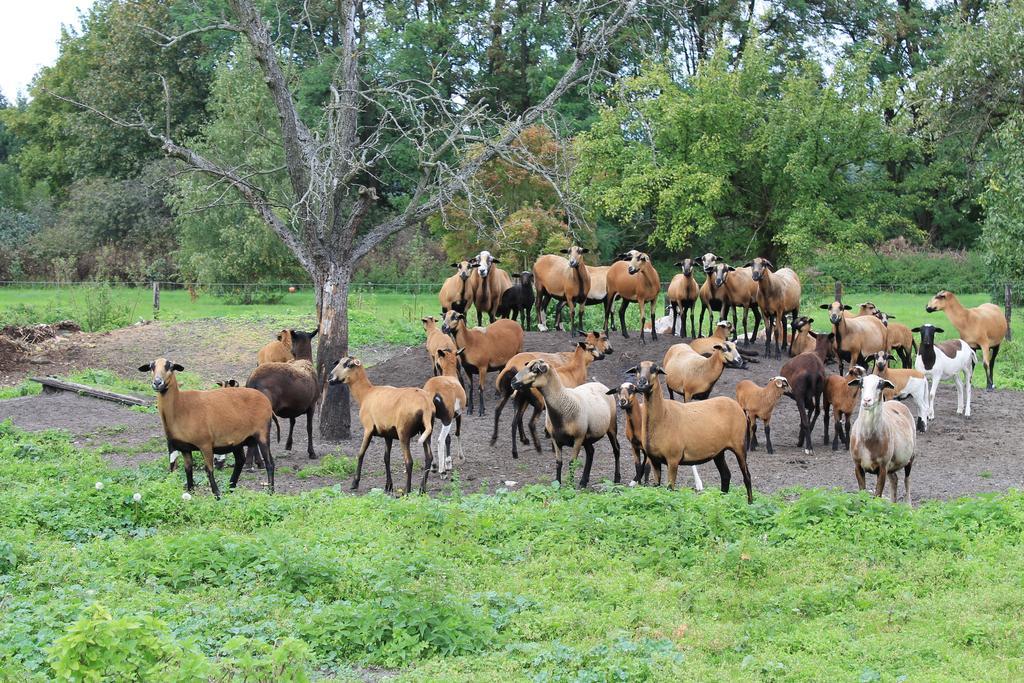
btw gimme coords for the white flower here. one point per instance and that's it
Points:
(137, 497)
(186, 496)
(99, 486)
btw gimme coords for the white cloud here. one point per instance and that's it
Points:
(29, 33)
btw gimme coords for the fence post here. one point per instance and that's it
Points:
(156, 299)
(1008, 309)
(839, 291)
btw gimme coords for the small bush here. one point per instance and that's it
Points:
(100, 647)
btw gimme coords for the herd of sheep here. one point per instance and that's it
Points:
(579, 414)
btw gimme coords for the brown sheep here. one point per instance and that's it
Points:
(736, 289)
(841, 398)
(564, 279)
(898, 338)
(457, 291)
(453, 400)
(633, 279)
(390, 412)
(803, 336)
(577, 417)
(293, 389)
(213, 422)
(277, 351)
(571, 366)
(694, 374)
(691, 433)
(722, 333)
(806, 376)
(483, 348)
(857, 338)
(982, 327)
(759, 403)
(488, 282)
(436, 341)
(778, 293)
(683, 293)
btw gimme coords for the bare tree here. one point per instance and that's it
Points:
(335, 219)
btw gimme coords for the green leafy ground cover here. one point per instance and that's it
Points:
(541, 584)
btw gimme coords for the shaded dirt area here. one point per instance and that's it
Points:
(957, 456)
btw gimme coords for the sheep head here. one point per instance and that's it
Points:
(835, 311)
(625, 395)
(871, 387)
(938, 302)
(535, 374)
(758, 267)
(599, 340)
(868, 308)
(800, 323)
(344, 369)
(927, 333)
(227, 383)
(637, 261)
(575, 254)
(721, 272)
(163, 373)
(465, 268)
(484, 261)
(452, 321)
(707, 261)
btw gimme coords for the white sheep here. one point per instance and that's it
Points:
(953, 358)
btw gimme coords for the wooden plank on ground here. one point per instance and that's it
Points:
(52, 385)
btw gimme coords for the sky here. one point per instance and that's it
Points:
(29, 31)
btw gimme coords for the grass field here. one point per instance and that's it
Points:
(391, 318)
(541, 584)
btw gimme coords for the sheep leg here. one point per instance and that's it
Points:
(458, 438)
(700, 324)
(906, 483)
(838, 429)
(428, 459)
(407, 458)
(497, 416)
(583, 322)
(858, 471)
(541, 304)
(741, 460)
(585, 479)
(481, 377)
(558, 461)
(825, 425)
(735, 326)
(389, 485)
(770, 330)
(894, 485)
(291, 429)
(656, 467)
(768, 439)
(675, 318)
(236, 469)
(533, 427)
(367, 435)
(698, 485)
(815, 412)
(723, 471)
(991, 369)
(469, 401)
(673, 472)
(615, 453)
(208, 466)
(803, 423)
(752, 433)
(309, 434)
(190, 484)
(268, 459)
(622, 320)
(654, 318)
(520, 409)
(638, 463)
(846, 432)
(880, 484)
(693, 330)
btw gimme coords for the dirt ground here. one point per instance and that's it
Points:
(957, 456)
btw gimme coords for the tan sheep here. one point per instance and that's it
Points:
(633, 279)
(277, 351)
(488, 282)
(759, 403)
(858, 337)
(453, 401)
(778, 293)
(390, 412)
(564, 279)
(483, 348)
(213, 422)
(457, 292)
(841, 397)
(694, 374)
(982, 327)
(692, 433)
(436, 341)
(683, 294)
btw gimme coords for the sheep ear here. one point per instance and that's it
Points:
(584, 250)
(335, 364)
(563, 251)
(855, 382)
(940, 330)
(612, 392)
(461, 352)
(631, 371)
(455, 265)
(678, 264)
(314, 332)
(220, 384)
(146, 368)
(495, 260)
(916, 330)
(581, 345)
(824, 306)
(890, 316)
(748, 264)
(441, 352)
(847, 308)
(810, 320)
(887, 384)
(659, 370)
(176, 367)
(731, 269)
(708, 355)
(769, 264)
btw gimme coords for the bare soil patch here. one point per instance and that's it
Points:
(957, 456)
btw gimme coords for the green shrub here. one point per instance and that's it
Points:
(330, 466)
(99, 647)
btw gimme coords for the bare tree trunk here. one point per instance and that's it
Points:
(332, 300)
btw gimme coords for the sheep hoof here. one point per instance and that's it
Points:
(808, 451)
(313, 455)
